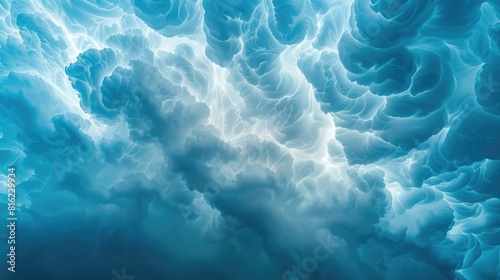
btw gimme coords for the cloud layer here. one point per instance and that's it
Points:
(242, 140)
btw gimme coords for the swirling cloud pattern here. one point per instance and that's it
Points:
(266, 139)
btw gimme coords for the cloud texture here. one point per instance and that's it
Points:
(266, 139)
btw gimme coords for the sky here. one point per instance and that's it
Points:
(260, 139)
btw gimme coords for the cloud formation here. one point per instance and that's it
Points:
(207, 139)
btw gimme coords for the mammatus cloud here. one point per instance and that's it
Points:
(253, 140)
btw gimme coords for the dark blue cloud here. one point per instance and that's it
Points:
(252, 139)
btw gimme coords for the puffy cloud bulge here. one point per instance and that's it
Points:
(232, 139)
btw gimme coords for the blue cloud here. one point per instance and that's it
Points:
(252, 139)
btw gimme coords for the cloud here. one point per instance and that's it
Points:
(253, 140)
